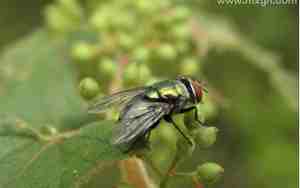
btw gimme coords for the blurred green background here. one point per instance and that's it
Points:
(258, 120)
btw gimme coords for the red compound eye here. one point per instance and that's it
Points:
(198, 90)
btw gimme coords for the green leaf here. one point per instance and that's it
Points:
(46, 138)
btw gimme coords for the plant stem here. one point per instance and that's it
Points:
(134, 172)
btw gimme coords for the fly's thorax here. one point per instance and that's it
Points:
(167, 89)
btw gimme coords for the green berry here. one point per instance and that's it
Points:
(189, 66)
(209, 173)
(205, 136)
(88, 88)
(83, 51)
(146, 6)
(101, 19)
(141, 54)
(184, 149)
(107, 67)
(72, 8)
(181, 13)
(189, 121)
(131, 72)
(166, 134)
(144, 73)
(57, 20)
(208, 109)
(181, 32)
(127, 41)
(137, 73)
(167, 52)
(182, 46)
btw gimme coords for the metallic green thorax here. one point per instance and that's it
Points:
(172, 88)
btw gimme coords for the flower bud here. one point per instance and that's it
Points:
(205, 136)
(88, 88)
(209, 173)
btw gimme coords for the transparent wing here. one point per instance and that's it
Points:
(137, 118)
(119, 98)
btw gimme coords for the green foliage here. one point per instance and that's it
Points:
(46, 138)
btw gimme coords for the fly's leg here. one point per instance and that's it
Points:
(170, 120)
(196, 116)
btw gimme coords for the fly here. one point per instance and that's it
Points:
(143, 108)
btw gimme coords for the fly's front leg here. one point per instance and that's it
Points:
(170, 120)
(196, 116)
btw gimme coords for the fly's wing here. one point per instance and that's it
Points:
(136, 118)
(119, 98)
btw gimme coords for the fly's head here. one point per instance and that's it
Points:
(199, 89)
(195, 88)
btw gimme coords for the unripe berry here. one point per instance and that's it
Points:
(205, 136)
(83, 51)
(72, 8)
(184, 149)
(189, 66)
(182, 13)
(166, 134)
(166, 52)
(136, 73)
(208, 109)
(127, 41)
(107, 67)
(141, 54)
(101, 19)
(181, 32)
(57, 20)
(88, 88)
(209, 173)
